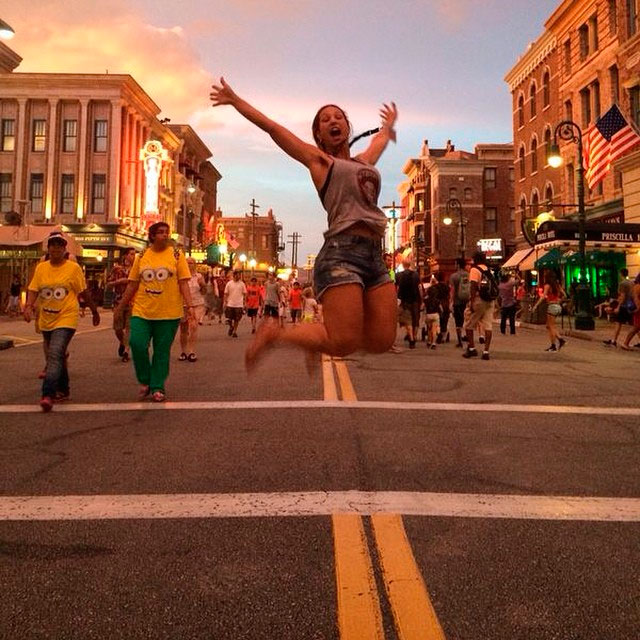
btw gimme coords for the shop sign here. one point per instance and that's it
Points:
(600, 233)
(94, 238)
(614, 218)
(492, 247)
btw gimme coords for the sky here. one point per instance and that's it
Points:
(442, 61)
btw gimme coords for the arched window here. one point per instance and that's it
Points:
(521, 154)
(548, 194)
(534, 154)
(521, 111)
(546, 92)
(535, 202)
(547, 144)
(532, 99)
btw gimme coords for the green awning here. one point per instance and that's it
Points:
(549, 259)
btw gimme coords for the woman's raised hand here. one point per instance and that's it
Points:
(389, 115)
(222, 94)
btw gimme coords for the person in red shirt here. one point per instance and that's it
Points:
(295, 302)
(254, 301)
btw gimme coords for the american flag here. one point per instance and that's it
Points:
(604, 142)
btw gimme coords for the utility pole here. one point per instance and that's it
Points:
(294, 242)
(253, 215)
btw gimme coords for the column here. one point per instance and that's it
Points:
(113, 198)
(23, 133)
(52, 139)
(82, 179)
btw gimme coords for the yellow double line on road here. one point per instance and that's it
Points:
(359, 613)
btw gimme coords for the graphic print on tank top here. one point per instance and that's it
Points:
(369, 183)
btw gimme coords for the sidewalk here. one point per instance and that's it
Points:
(604, 330)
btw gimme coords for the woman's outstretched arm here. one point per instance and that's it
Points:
(303, 152)
(379, 142)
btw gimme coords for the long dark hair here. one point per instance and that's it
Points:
(315, 125)
(552, 280)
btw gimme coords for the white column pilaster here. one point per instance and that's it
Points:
(82, 178)
(115, 153)
(52, 140)
(21, 152)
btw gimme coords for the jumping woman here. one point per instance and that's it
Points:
(350, 278)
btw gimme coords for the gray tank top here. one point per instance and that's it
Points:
(350, 195)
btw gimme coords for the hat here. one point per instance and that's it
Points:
(56, 237)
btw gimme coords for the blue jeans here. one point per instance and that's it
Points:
(56, 376)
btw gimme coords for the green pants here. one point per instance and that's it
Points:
(161, 333)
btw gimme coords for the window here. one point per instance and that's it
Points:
(490, 220)
(583, 37)
(512, 175)
(632, 16)
(614, 81)
(8, 135)
(534, 154)
(546, 95)
(593, 32)
(535, 203)
(39, 141)
(35, 192)
(521, 111)
(547, 144)
(98, 187)
(265, 240)
(467, 194)
(568, 110)
(67, 193)
(453, 192)
(6, 192)
(595, 91)
(489, 178)
(617, 179)
(521, 162)
(548, 195)
(585, 102)
(70, 133)
(100, 136)
(613, 18)
(567, 57)
(634, 99)
(532, 100)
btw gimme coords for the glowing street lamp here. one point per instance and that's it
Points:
(6, 32)
(243, 258)
(453, 204)
(252, 263)
(191, 189)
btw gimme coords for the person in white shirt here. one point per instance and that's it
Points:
(189, 329)
(235, 295)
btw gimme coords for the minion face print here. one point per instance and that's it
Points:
(52, 299)
(153, 280)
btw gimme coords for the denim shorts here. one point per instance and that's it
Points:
(349, 259)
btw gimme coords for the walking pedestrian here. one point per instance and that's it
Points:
(408, 291)
(460, 294)
(159, 288)
(508, 303)
(13, 304)
(254, 302)
(352, 283)
(479, 311)
(189, 325)
(271, 296)
(432, 308)
(309, 306)
(388, 263)
(235, 295)
(118, 280)
(56, 284)
(443, 294)
(295, 302)
(211, 296)
(552, 294)
(625, 307)
(635, 295)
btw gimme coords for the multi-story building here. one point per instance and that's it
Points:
(590, 53)
(475, 189)
(87, 152)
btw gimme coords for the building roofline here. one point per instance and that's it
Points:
(536, 52)
(187, 131)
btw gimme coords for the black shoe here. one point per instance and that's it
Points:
(470, 353)
(481, 339)
(561, 343)
(485, 355)
(551, 348)
(121, 350)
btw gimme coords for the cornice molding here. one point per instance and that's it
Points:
(532, 58)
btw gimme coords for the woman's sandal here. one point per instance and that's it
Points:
(183, 356)
(192, 357)
(159, 396)
(143, 392)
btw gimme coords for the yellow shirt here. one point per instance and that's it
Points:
(158, 296)
(58, 288)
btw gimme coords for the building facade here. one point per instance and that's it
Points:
(472, 190)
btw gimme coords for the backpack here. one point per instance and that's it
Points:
(487, 287)
(463, 292)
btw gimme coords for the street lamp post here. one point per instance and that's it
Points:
(571, 132)
(393, 213)
(453, 204)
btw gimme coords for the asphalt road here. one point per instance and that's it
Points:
(240, 536)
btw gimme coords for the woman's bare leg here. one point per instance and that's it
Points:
(380, 318)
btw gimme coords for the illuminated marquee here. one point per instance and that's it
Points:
(153, 154)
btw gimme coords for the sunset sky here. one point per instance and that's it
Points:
(441, 61)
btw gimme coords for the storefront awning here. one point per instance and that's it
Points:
(517, 258)
(599, 236)
(529, 263)
(550, 258)
(33, 235)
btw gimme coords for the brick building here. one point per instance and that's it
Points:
(482, 182)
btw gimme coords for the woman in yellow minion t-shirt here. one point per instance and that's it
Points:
(159, 281)
(56, 284)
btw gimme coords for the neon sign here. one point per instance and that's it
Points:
(153, 154)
